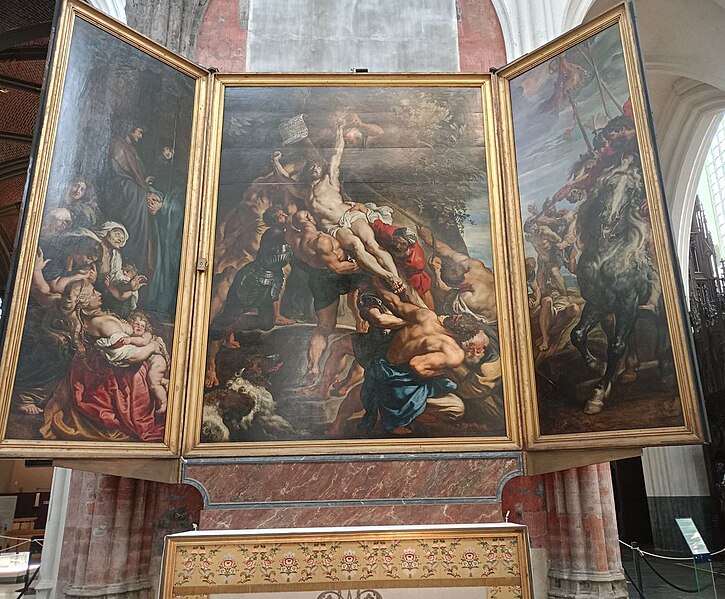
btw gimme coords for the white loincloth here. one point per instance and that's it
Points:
(375, 212)
(559, 303)
(455, 304)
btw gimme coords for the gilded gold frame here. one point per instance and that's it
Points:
(182, 436)
(72, 10)
(692, 429)
(221, 557)
(192, 446)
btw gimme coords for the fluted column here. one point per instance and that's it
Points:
(524, 502)
(172, 23)
(113, 536)
(677, 487)
(528, 25)
(583, 544)
(108, 530)
(113, 8)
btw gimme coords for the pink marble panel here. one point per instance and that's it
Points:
(249, 481)
(214, 519)
(222, 41)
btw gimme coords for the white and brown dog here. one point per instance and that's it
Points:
(244, 409)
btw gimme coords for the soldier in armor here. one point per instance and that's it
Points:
(253, 299)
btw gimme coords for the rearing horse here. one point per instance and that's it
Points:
(613, 272)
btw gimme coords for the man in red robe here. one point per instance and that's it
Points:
(619, 139)
(407, 253)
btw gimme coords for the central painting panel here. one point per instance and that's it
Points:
(353, 293)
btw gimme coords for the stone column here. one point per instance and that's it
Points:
(172, 23)
(677, 487)
(524, 502)
(584, 550)
(107, 538)
(113, 8)
(113, 536)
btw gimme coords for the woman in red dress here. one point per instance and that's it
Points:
(98, 401)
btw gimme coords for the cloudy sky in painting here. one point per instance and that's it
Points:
(549, 142)
(430, 158)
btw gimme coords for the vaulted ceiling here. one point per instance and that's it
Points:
(24, 32)
(682, 45)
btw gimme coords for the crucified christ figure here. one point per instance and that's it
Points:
(339, 218)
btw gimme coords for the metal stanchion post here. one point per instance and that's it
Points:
(712, 577)
(698, 549)
(697, 578)
(637, 567)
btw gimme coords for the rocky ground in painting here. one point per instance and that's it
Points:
(635, 405)
(565, 383)
(311, 416)
(24, 426)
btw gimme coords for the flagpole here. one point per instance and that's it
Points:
(594, 68)
(603, 88)
(578, 120)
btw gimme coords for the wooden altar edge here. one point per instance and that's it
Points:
(348, 585)
(162, 470)
(543, 462)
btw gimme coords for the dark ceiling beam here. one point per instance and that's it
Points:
(14, 168)
(6, 252)
(26, 86)
(25, 53)
(10, 209)
(21, 35)
(23, 138)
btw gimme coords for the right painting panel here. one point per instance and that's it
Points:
(608, 355)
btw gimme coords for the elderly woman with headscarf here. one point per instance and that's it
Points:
(113, 236)
(97, 400)
(118, 279)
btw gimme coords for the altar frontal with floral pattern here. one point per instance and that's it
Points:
(370, 563)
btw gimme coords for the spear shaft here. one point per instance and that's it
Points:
(578, 120)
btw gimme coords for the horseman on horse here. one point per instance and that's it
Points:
(615, 272)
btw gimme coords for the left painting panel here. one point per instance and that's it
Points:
(92, 352)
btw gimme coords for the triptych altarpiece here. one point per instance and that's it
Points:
(222, 265)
